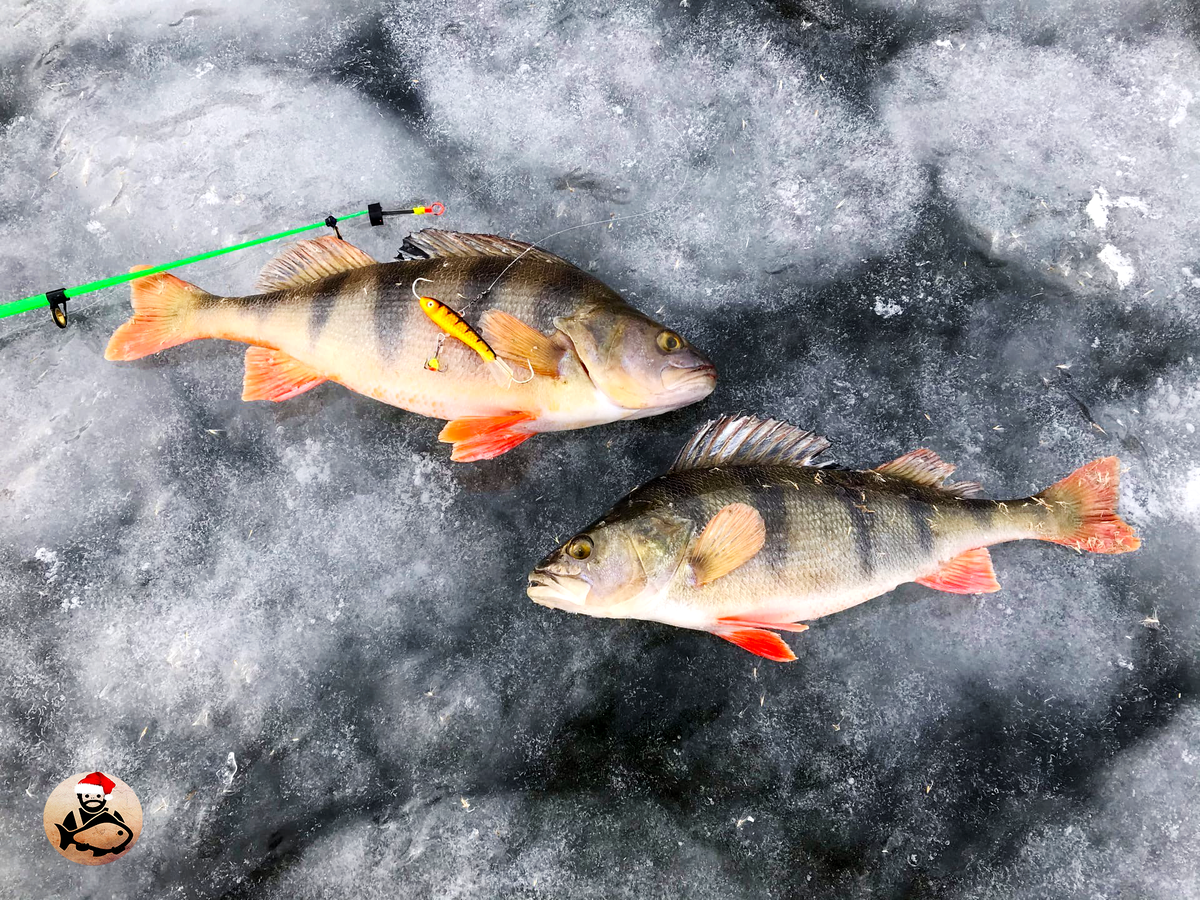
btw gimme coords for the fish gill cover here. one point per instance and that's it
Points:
(300, 632)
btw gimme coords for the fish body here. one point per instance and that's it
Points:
(103, 834)
(748, 535)
(328, 312)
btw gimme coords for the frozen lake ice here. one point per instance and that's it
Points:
(301, 633)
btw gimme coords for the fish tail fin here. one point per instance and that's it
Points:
(485, 437)
(162, 317)
(64, 837)
(1083, 509)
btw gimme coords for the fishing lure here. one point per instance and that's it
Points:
(456, 326)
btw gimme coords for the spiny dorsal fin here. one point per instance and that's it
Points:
(432, 243)
(926, 468)
(307, 261)
(732, 537)
(748, 441)
(521, 344)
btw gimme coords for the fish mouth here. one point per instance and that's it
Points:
(557, 591)
(698, 380)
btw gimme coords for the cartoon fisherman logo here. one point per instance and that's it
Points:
(92, 818)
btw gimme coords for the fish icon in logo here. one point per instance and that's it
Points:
(98, 826)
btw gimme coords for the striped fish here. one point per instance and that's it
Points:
(748, 535)
(325, 311)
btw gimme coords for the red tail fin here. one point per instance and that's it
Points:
(484, 437)
(1084, 505)
(161, 307)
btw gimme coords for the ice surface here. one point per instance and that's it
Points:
(300, 632)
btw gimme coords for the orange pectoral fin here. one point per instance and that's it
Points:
(967, 573)
(758, 641)
(273, 375)
(485, 437)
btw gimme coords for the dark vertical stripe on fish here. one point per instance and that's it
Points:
(920, 513)
(322, 303)
(861, 522)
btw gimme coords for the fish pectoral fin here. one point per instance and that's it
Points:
(967, 573)
(732, 537)
(521, 344)
(758, 641)
(740, 622)
(307, 261)
(485, 437)
(926, 468)
(273, 375)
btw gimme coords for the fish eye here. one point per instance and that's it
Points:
(580, 547)
(669, 341)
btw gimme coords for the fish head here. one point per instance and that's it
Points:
(637, 363)
(612, 569)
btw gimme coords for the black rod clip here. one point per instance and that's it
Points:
(58, 306)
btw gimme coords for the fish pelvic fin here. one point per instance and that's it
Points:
(758, 641)
(273, 375)
(967, 573)
(485, 437)
(1083, 510)
(162, 317)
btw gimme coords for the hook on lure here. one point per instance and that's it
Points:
(454, 325)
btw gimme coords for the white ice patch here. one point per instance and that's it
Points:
(887, 308)
(1185, 99)
(1119, 263)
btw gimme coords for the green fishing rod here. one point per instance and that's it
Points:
(56, 299)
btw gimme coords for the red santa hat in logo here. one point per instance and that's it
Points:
(93, 781)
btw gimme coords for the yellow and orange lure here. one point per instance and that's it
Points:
(456, 326)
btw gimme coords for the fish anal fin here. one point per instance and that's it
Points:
(307, 261)
(485, 437)
(731, 538)
(521, 344)
(926, 468)
(967, 573)
(274, 375)
(758, 641)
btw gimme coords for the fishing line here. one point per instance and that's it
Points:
(610, 221)
(57, 299)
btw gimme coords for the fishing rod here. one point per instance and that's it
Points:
(56, 299)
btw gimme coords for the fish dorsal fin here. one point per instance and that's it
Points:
(432, 243)
(521, 344)
(307, 261)
(748, 441)
(926, 468)
(732, 537)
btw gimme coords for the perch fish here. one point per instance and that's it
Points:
(326, 311)
(748, 535)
